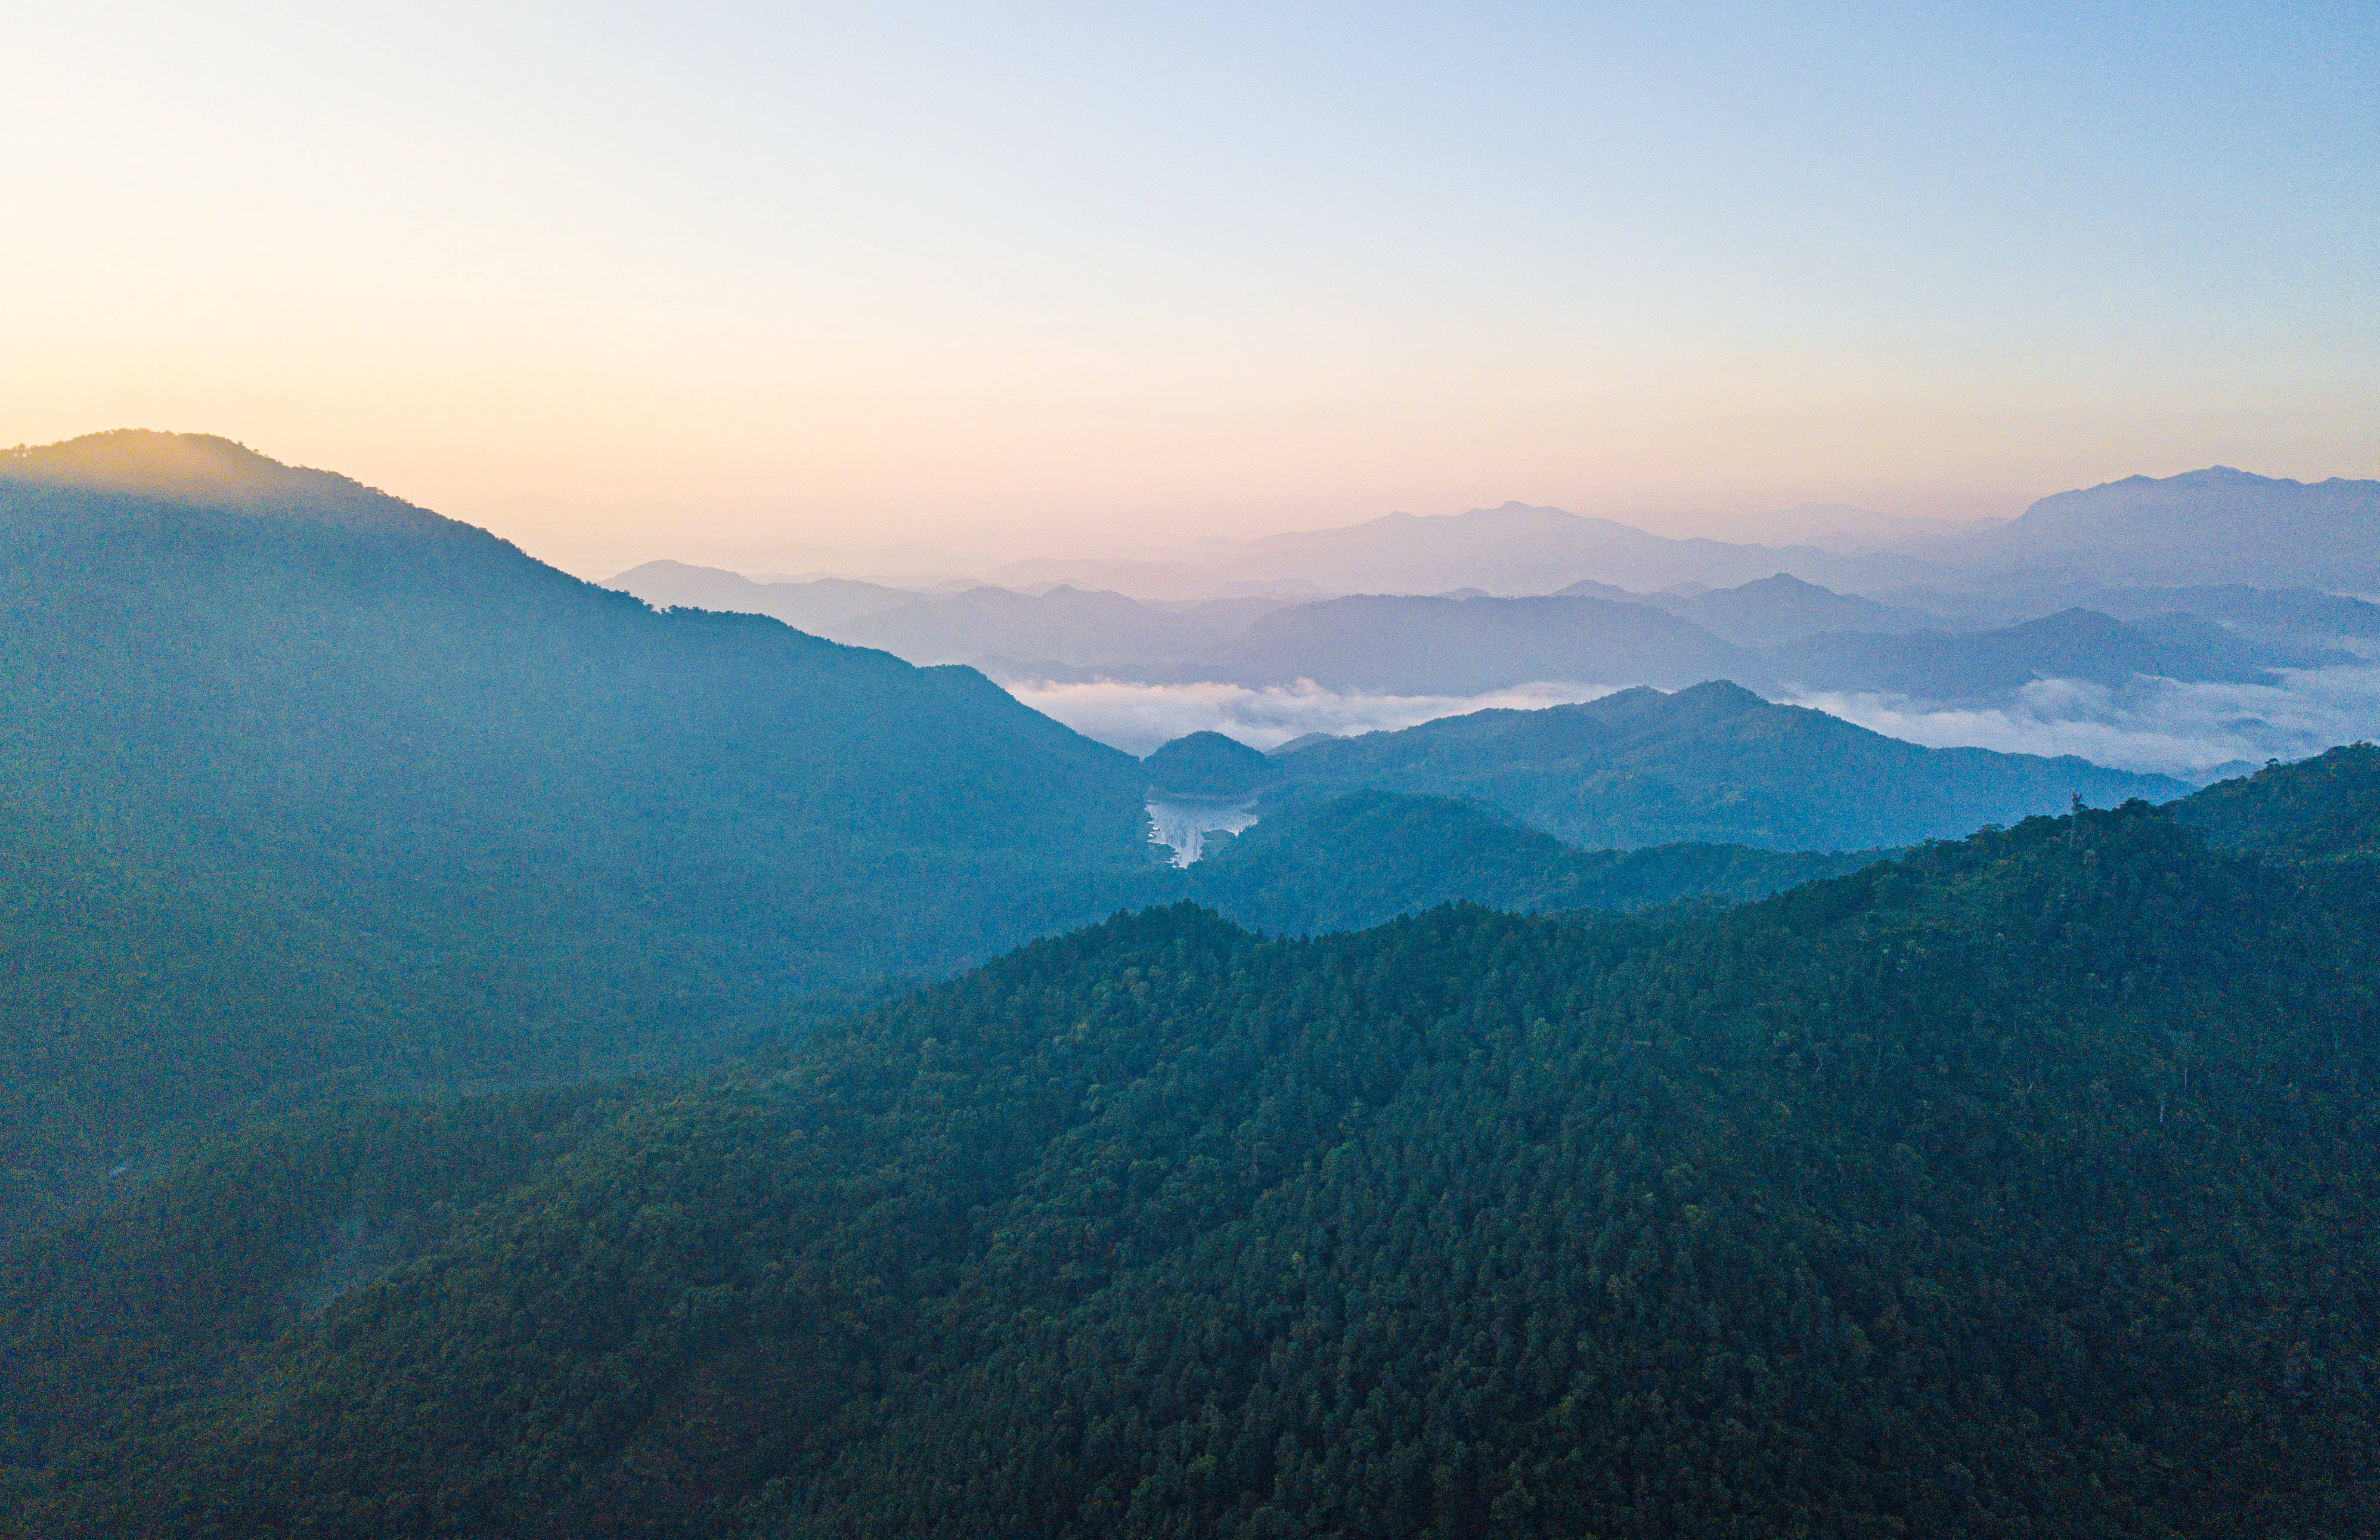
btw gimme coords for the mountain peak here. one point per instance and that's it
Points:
(205, 469)
(1783, 583)
(1207, 764)
(1714, 695)
(142, 459)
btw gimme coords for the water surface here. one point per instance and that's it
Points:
(1182, 823)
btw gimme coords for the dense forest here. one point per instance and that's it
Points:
(2023, 1186)
(1356, 860)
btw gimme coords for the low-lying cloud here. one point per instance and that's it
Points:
(2196, 731)
(1138, 718)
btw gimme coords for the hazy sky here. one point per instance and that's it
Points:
(692, 280)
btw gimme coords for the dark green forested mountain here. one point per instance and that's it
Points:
(2023, 1186)
(2323, 809)
(1368, 856)
(1713, 763)
(301, 785)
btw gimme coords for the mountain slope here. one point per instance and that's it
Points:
(2285, 614)
(1714, 763)
(816, 606)
(2023, 1186)
(2071, 644)
(2216, 526)
(1435, 646)
(1783, 608)
(196, 470)
(372, 793)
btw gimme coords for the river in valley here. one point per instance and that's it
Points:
(1180, 823)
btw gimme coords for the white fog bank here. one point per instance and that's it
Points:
(1138, 718)
(2195, 732)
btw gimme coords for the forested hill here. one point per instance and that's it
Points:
(1356, 860)
(2023, 1186)
(1714, 763)
(302, 787)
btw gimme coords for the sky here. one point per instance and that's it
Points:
(737, 283)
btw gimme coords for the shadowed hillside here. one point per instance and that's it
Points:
(303, 786)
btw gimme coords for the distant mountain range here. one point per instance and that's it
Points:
(1519, 549)
(2207, 527)
(1935, 667)
(2215, 525)
(1779, 634)
(1429, 645)
(2204, 527)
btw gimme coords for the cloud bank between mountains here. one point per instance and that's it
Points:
(2192, 731)
(1136, 718)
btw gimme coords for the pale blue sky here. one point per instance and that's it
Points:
(626, 281)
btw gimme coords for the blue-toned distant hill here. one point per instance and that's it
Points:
(1782, 608)
(1714, 763)
(2216, 526)
(1976, 667)
(302, 787)
(1442, 646)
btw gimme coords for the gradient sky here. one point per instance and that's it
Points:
(707, 281)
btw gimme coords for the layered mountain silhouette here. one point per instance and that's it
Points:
(1779, 634)
(2205, 527)
(1517, 549)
